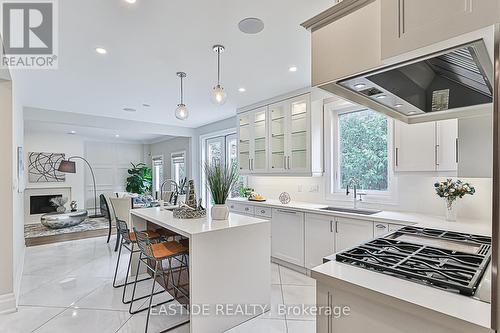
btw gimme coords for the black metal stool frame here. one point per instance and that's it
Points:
(146, 254)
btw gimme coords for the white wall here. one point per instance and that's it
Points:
(18, 194)
(415, 193)
(166, 148)
(110, 162)
(7, 276)
(71, 145)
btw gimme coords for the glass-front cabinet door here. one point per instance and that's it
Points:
(278, 142)
(244, 129)
(298, 154)
(258, 162)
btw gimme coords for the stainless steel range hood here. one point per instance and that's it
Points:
(454, 79)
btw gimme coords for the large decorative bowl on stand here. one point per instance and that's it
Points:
(58, 220)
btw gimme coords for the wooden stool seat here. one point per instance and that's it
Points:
(167, 249)
(151, 234)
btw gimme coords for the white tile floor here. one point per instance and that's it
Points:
(67, 287)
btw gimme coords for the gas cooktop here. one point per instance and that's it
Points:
(448, 260)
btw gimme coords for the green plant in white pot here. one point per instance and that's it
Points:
(220, 180)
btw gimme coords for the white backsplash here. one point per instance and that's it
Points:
(415, 194)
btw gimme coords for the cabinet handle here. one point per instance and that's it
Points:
(262, 211)
(456, 150)
(397, 156)
(246, 208)
(336, 226)
(284, 162)
(287, 211)
(436, 153)
(331, 226)
(380, 226)
(249, 168)
(288, 159)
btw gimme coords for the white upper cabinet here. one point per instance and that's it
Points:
(280, 138)
(475, 147)
(252, 148)
(414, 146)
(349, 45)
(430, 146)
(446, 145)
(411, 24)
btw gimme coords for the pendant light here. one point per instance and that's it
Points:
(181, 112)
(218, 93)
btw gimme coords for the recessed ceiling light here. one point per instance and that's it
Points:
(242, 89)
(130, 1)
(129, 109)
(251, 25)
(146, 105)
(292, 69)
(101, 50)
(117, 135)
(381, 96)
(359, 85)
(398, 105)
(72, 132)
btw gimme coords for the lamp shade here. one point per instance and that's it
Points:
(67, 166)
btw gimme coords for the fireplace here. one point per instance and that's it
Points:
(37, 201)
(40, 204)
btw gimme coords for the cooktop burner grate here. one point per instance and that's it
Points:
(443, 268)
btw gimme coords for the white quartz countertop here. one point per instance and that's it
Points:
(477, 227)
(455, 305)
(189, 227)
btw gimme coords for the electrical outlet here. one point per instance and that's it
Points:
(314, 188)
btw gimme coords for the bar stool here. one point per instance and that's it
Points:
(157, 254)
(129, 239)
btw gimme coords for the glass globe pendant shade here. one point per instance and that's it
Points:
(219, 95)
(181, 112)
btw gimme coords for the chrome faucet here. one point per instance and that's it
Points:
(354, 183)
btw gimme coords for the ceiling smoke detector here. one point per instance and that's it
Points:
(251, 25)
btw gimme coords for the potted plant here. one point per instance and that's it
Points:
(452, 190)
(140, 180)
(220, 180)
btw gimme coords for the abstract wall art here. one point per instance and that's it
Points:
(42, 168)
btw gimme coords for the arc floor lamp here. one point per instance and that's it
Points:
(69, 166)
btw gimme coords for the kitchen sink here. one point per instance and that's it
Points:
(351, 210)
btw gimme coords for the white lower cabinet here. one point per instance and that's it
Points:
(350, 232)
(287, 230)
(319, 238)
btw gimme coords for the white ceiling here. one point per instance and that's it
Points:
(149, 41)
(94, 133)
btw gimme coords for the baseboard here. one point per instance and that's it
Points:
(7, 303)
(18, 276)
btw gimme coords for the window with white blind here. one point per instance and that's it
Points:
(178, 166)
(157, 164)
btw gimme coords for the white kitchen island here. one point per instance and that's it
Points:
(229, 265)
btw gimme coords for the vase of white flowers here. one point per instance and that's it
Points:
(451, 191)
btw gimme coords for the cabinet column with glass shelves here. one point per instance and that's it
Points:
(252, 148)
(276, 139)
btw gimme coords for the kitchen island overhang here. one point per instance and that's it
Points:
(229, 265)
